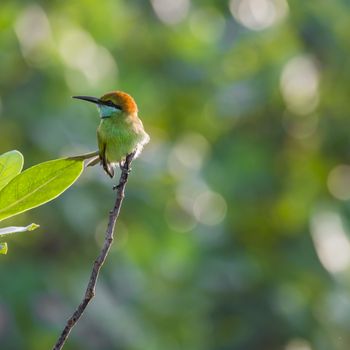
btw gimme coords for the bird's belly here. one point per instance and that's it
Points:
(119, 142)
(117, 151)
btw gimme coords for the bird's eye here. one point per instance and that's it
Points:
(111, 104)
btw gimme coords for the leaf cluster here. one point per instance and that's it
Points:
(37, 185)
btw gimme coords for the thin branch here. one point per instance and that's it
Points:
(90, 290)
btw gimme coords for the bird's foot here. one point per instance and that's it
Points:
(116, 187)
(123, 167)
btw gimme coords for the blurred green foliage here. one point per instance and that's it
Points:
(234, 231)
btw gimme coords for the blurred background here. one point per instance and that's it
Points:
(234, 234)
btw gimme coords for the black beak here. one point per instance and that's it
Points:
(89, 99)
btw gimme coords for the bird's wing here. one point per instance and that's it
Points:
(102, 152)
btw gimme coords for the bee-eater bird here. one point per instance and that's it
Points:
(120, 132)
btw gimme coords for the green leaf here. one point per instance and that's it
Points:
(11, 164)
(13, 229)
(38, 185)
(3, 248)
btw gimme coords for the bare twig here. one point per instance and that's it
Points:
(90, 290)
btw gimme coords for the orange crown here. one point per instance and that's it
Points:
(122, 99)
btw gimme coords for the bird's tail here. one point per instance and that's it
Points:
(85, 156)
(93, 161)
(108, 167)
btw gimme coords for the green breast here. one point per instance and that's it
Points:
(119, 137)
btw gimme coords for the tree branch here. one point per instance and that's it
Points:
(90, 290)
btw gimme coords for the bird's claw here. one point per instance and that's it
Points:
(123, 167)
(116, 187)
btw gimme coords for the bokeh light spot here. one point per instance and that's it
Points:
(339, 182)
(258, 14)
(298, 344)
(80, 52)
(188, 191)
(188, 154)
(170, 11)
(331, 242)
(33, 30)
(210, 208)
(299, 85)
(178, 219)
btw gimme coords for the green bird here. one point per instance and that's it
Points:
(120, 132)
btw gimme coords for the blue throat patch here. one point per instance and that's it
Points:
(107, 111)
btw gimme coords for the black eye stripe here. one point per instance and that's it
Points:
(111, 104)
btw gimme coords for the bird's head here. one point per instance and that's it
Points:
(113, 104)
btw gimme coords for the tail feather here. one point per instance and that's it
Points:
(93, 161)
(107, 166)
